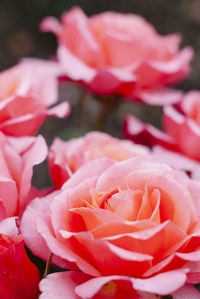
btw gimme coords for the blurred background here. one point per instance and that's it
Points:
(19, 20)
(20, 37)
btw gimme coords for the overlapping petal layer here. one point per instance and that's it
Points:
(135, 219)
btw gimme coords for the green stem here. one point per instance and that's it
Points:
(82, 107)
(108, 105)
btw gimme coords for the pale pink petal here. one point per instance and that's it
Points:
(73, 67)
(61, 285)
(186, 292)
(8, 227)
(9, 199)
(162, 284)
(50, 24)
(28, 226)
(164, 96)
(174, 159)
(62, 110)
(90, 169)
(43, 83)
(36, 154)
(191, 256)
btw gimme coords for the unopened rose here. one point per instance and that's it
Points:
(65, 157)
(19, 277)
(27, 90)
(114, 53)
(133, 220)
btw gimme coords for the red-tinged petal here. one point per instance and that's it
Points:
(109, 81)
(64, 257)
(115, 260)
(146, 134)
(193, 277)
(19, 277)
(118, 287)
(185, 292)
(93, 218)
(153, 73)
(162, 239)
(24, 125)
(96, 81)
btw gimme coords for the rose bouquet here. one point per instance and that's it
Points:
(121, 218)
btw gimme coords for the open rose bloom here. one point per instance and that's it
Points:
(26, 92)
(66, 157)
(114, 53)
(131, 227)
(118, 222)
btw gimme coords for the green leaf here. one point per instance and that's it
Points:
(73, 132)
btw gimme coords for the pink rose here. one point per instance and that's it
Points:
(65, 157)
(19, 277)
(75, 285)
(183, 124)
(179, 143)
(119, 53)
(17, 158)
(26, 92)
(164, 148)
(133, 220)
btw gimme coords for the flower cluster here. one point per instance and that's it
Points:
(122, 217)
